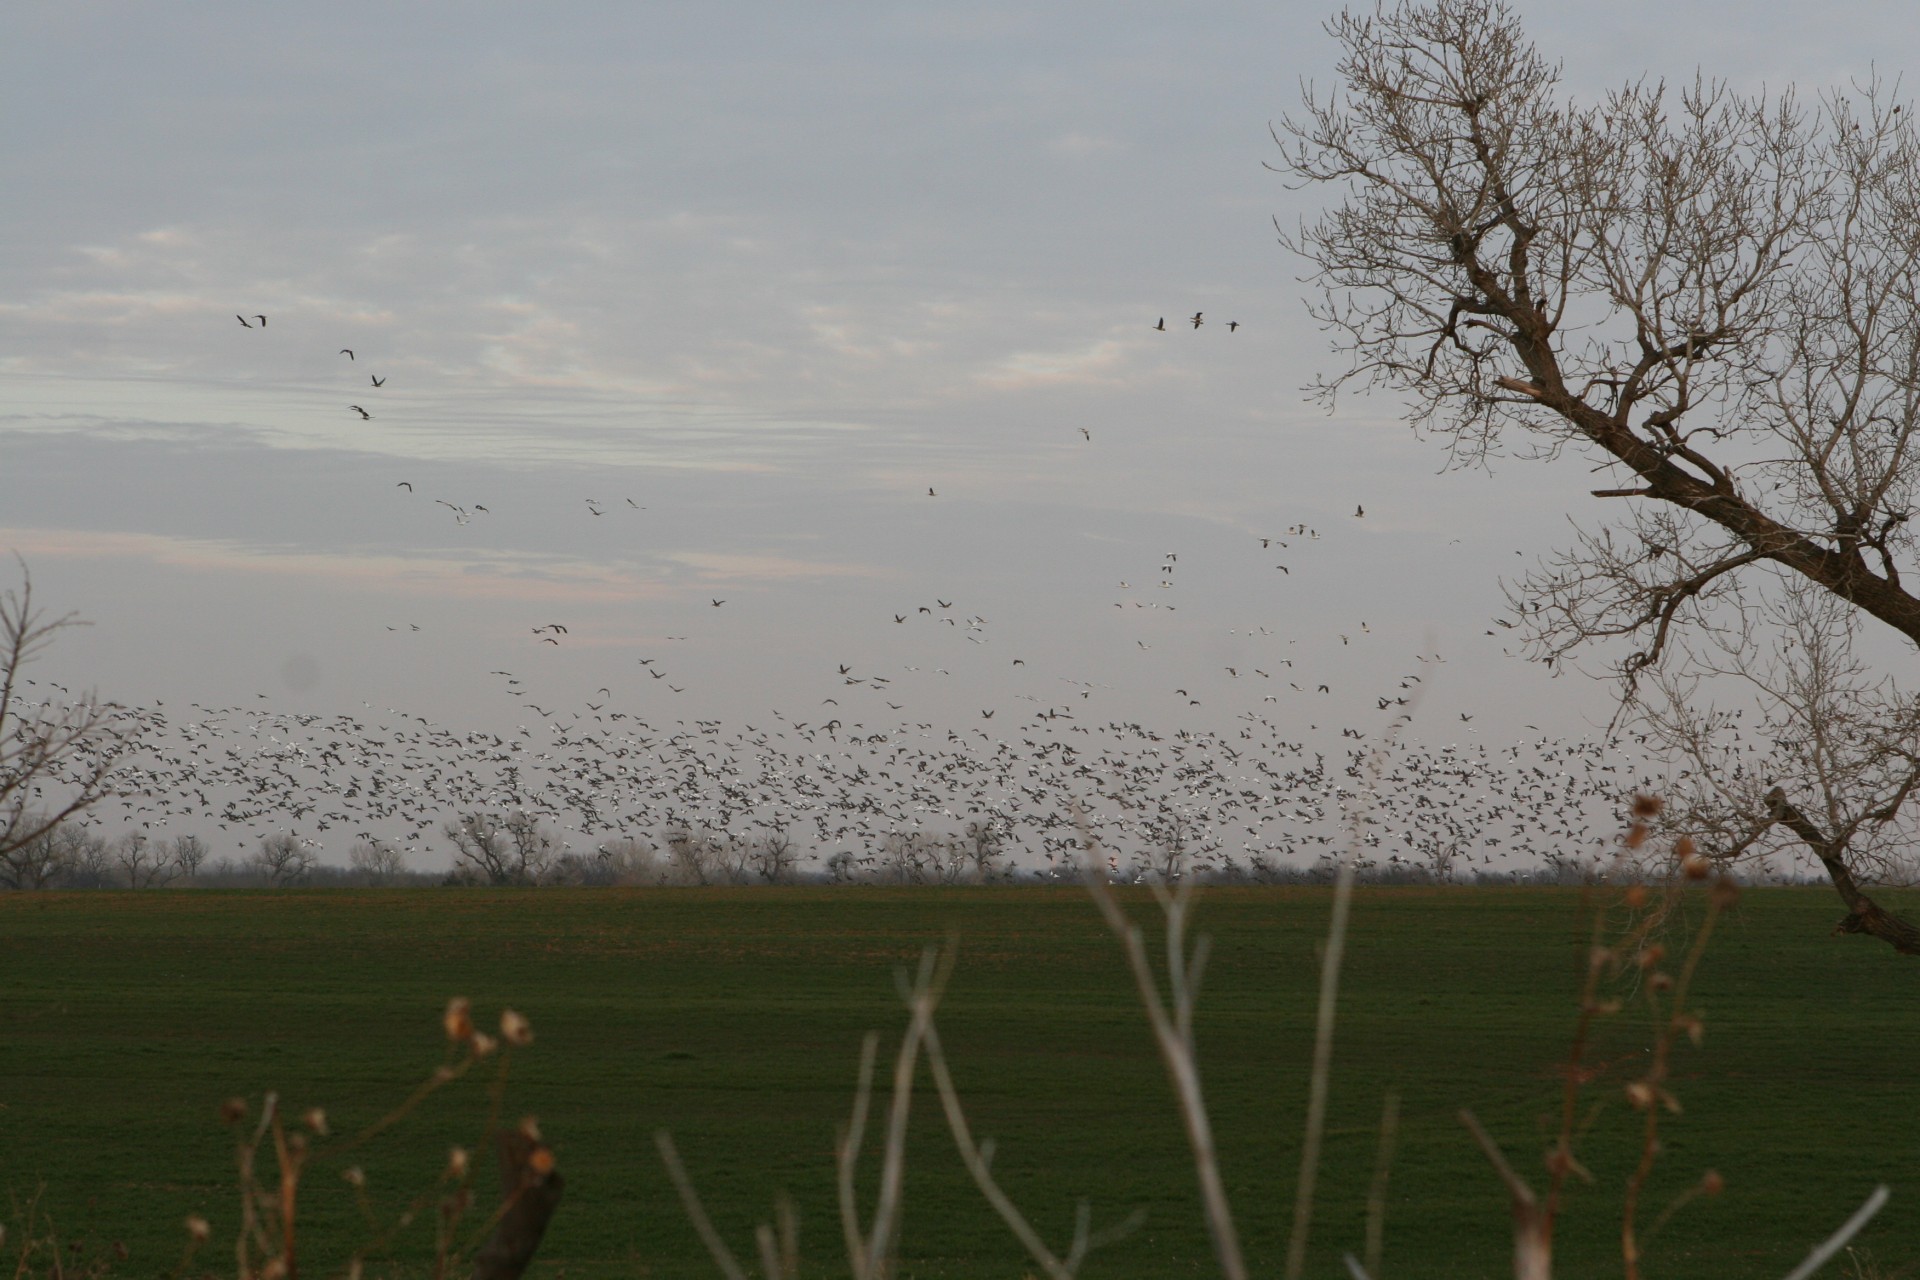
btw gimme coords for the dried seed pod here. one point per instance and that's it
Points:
(515, 1029)
(458, 1020)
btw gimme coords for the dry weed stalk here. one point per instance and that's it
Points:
(870, 1249)
(266, 1244)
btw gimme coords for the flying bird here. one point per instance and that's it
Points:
(378, 382)
(716, 603)
(347, 352)
(1196, 320)
(1232, 325)
(243, 322)
(364, 415)
(1088, 434)
(931, 493)
(1162, 326)
(1359, 511)
(404, 485)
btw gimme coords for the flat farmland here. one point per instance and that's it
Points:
(734, 1019)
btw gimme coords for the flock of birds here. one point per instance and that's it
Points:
(1252, 796)
(852, 773)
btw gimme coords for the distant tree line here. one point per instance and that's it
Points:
(517, 850)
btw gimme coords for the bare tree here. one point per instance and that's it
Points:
(283, 858)
(36, 863)
(189, 852)
(55, 756)
(502, 849)
(1714, 296)
(629, 860)
(982, 847)
(377, 860)
(143, 863)
(775, 855)
(695, 859)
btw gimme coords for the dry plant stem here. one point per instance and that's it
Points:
(251, 1229)
(1322, 1071)
(1336, 949)
(722, 1256)
(978, 1164)
(1377, 1192)
(26, 1241)
(848, 1151)
(1561, 1162)
(1656, 1076)
(289, 1161)
(934, 968)
(1823, 1252)
(1532, 1231)
(441, 1076)
(529, 1194)
(1173, 1034)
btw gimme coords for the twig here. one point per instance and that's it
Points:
(1532, 1236)
(1838, 1240)
(1173, 1034)
(1377, 1193)
(696, 1213)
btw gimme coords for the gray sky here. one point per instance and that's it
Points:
(771, 272)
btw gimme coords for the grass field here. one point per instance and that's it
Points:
(734, 1019)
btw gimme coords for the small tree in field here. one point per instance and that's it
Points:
(55, 758)
(1715, 298)
(189, 854)
(377, 860)
(283, 858)
(775, 855)
(144, 863)
(502, 849)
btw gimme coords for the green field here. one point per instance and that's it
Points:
(734, 1019)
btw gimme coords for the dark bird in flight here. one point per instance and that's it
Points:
(243, 322)
(1162, 326)
(378, 382)
(1359, 510)
(899, 617)
(1232, 325)
(716, 603)
(364, 415)
(931, 493)
(1088, 434)
(1196, 320)
(347, 352)
(404, 485)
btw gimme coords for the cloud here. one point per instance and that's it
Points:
(492, 575)
(1097, 363)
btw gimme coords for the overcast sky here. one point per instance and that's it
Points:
(748, 280)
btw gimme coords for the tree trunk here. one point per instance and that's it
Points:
(1864, 915)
